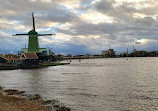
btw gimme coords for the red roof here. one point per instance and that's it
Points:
(30, 56)
(13, 58)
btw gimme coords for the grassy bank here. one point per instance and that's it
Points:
(11, 103)
(54, 64)
(14, 100)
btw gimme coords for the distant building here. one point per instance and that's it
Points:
(123, 54)
(87, 55)
(139, 54)
(153, 54)
(59, 57)
(68, 55)
(108, 53)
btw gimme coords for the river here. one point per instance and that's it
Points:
(110, 84)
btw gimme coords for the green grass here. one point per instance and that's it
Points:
(54, 64)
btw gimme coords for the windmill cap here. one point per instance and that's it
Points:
(32, 32)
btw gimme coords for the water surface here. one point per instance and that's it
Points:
(110, 84)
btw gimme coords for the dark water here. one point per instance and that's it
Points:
(93, 85)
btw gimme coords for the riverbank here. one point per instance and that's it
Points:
(14, 100)
(13, 66)
(54, 64)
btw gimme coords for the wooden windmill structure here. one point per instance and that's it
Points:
(33, 44)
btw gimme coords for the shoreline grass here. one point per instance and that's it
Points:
(15, 100)
(54, 64)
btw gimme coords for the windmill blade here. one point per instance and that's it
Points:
(45, 34)
(48, 47)
(33, 20)
(18, 34)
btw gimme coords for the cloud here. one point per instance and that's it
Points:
(89, 24)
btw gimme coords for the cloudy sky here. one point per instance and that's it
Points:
(81, 26)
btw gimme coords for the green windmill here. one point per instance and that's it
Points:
(33, 44)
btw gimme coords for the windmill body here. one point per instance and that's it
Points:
(33, 44)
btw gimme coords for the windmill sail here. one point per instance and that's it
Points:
(33, 20)
(18, 34)
(45, 34)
